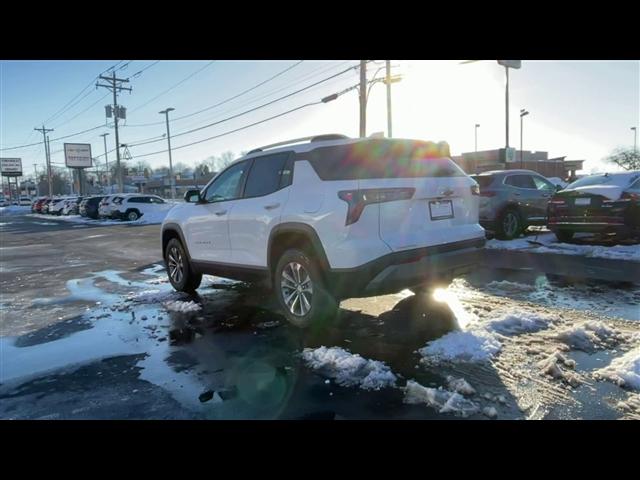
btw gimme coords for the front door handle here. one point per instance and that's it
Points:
(221, 212)
(272, 206)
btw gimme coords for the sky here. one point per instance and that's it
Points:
(578, 109)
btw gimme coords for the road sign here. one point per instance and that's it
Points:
(138, 179)
(11, 167)
(77, 155)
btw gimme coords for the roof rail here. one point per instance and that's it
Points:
(314, 138)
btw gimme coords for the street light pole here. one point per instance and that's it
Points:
(635, 138)
(106, 158)
(363, 98)
(523, 113)
(476, 149)
(171, 179)
(388, 82)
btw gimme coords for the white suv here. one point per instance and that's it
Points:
(134, 205)
(328, 219)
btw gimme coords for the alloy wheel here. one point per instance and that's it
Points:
(296, 288)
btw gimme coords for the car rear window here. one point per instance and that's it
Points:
(380, 159)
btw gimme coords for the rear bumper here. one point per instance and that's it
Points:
(404, 269)
(613, 226)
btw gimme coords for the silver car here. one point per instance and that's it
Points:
(512, 200)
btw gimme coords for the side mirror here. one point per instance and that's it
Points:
(558, 188)
(192, 196)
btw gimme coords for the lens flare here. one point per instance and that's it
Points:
(463, 318)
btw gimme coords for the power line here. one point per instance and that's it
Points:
(233, 131)
(174, 86)
(139, 72)
(133, 144)
(83, 111)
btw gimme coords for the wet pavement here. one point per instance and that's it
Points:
(96, 332)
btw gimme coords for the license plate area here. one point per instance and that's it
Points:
(440, 209)
(582, 201)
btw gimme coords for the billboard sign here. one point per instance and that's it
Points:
(77, 155)
(11, 167)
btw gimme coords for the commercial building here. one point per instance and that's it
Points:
(501, 159)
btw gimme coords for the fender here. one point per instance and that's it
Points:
(307, 231)
(174, 227)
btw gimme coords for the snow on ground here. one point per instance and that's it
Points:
(155, 296)
(474, 345)
(590, 336)
(624, 371)
(445, 401)
(15, 210)
(180, 306)
(460, 385)
(551, 245)
(348, 369)
(557, 366)
(514, 324)
(146, 219)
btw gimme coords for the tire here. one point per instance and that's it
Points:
(509, 224)
(132, 215)
(564, 235)
(181, 277)
(301, 291)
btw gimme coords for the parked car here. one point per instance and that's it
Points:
(24, 200)
(105, 206)
(512, 200)
(36, 206)
(4, 202)
(558, 182)
(89, 207)
(56, 205)
(329, 219)
(603, 203)
(70, 206)
(133, 206)
(45, 205)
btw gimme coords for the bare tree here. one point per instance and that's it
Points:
(627, 158)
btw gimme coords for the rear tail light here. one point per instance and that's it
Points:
(358, 199)
(557, 201)
(626, 197)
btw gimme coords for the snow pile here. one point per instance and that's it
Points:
(551, 245)
(444, 401)
(155, 296)
(461, 346)
(553, 366)
(460, 385)
(349, 369)
(183, 307)
(623, 371)
(590, 336)
(510, 324)
(509, 287)
(149, 218)
(15, 210)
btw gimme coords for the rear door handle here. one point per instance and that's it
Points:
(272, 206)
(221, 212)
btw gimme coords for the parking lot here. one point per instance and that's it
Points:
(92, 329)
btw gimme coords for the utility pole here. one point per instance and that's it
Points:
(523, 113)
(635, 138)
(388, 82)
(115, 86)
(506, 69)
(363, 98)
(35, 169)
(106, 158)
(172, 181)
(45, 139)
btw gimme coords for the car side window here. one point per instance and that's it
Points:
(635, 185)
(520, 181)
(156, 200)
(266, 174)
(542, 184)
(227, 185)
